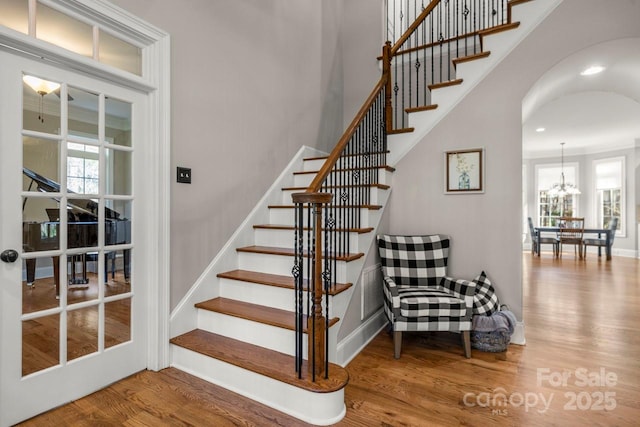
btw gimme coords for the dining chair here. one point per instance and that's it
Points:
(541, 240)
(602, 242)
(570, 232)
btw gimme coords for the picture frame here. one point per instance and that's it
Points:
(464, 171)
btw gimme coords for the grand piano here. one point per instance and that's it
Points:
(82, 232)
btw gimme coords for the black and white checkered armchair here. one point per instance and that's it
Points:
(418, 294)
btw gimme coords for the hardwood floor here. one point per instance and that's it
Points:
(40, 343)
(581, 321)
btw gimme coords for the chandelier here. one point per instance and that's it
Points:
(562, 189)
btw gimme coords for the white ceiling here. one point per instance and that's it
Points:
(589, 113)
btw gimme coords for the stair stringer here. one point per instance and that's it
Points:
(184, 317)
(530, 15)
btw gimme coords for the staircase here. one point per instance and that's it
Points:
(237, 326)
(244, 338)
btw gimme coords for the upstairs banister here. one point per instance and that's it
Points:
(419, 20)
(329, 164)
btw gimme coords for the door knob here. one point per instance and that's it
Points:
(9, 255)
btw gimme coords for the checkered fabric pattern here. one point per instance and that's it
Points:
(414, 260)
(418, 295)
(485, 300)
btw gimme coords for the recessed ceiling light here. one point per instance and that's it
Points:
(594, 69)
(540, 129)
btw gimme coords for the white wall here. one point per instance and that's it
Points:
(486, 228)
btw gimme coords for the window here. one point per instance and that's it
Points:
(609, 188)
(551, 208)
(84, 36)
(82, 168)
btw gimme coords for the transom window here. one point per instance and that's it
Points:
(79, 35)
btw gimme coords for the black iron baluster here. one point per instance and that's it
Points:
(440, 40)
(424, 58)
(298, 276)
(448, 40)
(457, 28)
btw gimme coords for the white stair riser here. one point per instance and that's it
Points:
(384, 177)
(256, 293)
(313, 165)
(285, 238)
(312, 408)
(278, 264)
(285, 216)
(303, 180)
(260, 334)
(271, 296)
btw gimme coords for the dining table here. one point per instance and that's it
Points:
(599, 231)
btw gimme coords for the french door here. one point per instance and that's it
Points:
(73, 305)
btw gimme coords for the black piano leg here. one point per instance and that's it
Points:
(75, 280)
(31, 271)
(126, 258)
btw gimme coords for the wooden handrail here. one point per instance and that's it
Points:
(470, 34)
(328, 165)
(419, 20)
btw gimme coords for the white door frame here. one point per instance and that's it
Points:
(155, 81)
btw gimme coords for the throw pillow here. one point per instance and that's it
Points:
(485, 300)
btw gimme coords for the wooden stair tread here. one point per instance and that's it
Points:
(326, 157)
(272, 250)
(275, 280)
(499, 28)
(479, 55)
(423, 108)
(370, 207)
(398, 131)
(380, 186)
(256, 313)
(445, 84)
(272, 364)
(363, 230)
(387, 167)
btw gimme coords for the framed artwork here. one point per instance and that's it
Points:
(464, 171)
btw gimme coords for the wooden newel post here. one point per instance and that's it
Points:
(316, 322)
(386, 73)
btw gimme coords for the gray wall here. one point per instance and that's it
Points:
(252, 81)
(486, 229)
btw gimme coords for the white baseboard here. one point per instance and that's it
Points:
(357, 340)
(518, 334)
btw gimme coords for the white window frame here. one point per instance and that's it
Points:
(575, 198)
(597, 207)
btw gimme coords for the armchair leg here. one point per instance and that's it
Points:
(466, 343)
(397, 343)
